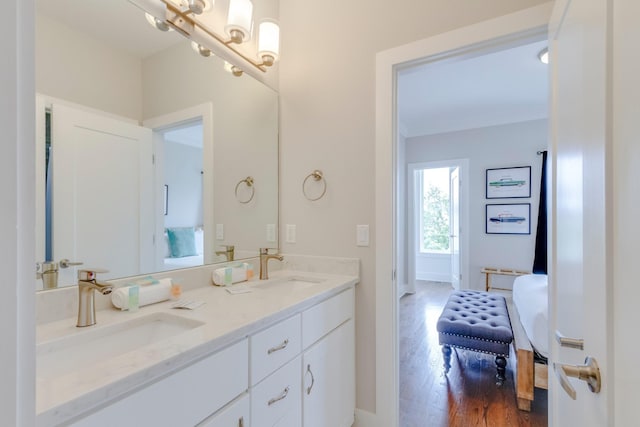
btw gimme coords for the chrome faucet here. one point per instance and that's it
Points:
(48, 272)
(228, 252)
(87, 284)
(265, 256)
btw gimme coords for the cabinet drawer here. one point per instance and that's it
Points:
(273, 347)
(184, 398)
(326, 316)
(276, 401)
(236, 414)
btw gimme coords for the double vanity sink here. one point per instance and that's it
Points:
(78, 369)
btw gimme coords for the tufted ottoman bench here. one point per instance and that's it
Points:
(477, 321)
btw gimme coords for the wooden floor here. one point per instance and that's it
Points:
(467, 396)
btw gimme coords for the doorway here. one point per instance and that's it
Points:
(193, 124)
(437, 207)
(476, 40)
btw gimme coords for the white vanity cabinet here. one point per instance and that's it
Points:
(298, 372)
(316, 386)
(328, 363)
(184, 398)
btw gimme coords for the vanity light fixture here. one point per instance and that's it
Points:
(194, 20)
(196, 6)
(233, 69)
(157, 23)
(201, 49)
(543, 55)
(239, 23)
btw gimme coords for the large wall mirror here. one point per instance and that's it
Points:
(151, 157)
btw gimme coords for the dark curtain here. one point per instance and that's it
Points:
(540, 258)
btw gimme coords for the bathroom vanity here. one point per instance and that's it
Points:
(282, 354)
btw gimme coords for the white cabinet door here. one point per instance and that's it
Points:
(328, 371)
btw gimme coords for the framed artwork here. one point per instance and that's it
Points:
(166, 199)
(508, 218)
(508, 183)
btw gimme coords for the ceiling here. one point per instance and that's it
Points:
(503, 87)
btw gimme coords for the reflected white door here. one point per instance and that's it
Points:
(580, 273)
(454, 224)
(102, 193)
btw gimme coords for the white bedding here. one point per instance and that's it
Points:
(184, 262)
(530, 298)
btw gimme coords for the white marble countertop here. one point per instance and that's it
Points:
(226, 319)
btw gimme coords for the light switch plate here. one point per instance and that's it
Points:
(219, 231)
(291, 233)
(271, 233)
(362, 235)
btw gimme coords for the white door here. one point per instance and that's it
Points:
(328, 380)
(454, 224)
(579, 272)
(102, 193)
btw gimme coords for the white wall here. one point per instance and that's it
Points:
(488, 148)
(182, 173)
(17, 220)
(327, 87)
(245, 135)
(77, 68)
(433, 266)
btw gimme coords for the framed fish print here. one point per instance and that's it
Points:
(509, 183)
(508, 218)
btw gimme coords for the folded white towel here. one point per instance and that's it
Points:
(226, 276)
(149, 294)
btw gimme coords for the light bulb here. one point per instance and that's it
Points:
(239, 23)
(543, 56)
(200, 49)
(157, 23)
(269, 42)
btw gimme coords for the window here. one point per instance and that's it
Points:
(435, 207)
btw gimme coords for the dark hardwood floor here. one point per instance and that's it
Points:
(467, 396)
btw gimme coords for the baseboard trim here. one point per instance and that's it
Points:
(365, 419)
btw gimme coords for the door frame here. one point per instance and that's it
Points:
(514, 29)
(463, 208)
(203, 112)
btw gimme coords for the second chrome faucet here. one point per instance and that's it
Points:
(265, 256)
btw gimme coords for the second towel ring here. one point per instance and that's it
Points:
(317, 176)
(248, 181)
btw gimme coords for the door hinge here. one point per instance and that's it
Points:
(153, 159)
(393, 275)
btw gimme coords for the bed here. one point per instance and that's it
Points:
(529, 321)
(176, 240)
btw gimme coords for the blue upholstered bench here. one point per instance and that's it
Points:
(477, 321)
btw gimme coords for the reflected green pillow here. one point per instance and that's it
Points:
(182, 242)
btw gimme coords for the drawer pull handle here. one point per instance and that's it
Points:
(241, 422)
(313, 380)
(279, 398)
(282, 346)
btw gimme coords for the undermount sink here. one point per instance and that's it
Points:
(91, 346)
(293, 282)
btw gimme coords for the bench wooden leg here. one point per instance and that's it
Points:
(501, 364)
(446, 353)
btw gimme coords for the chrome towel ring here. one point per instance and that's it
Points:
(318, 177)
(248, 182)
